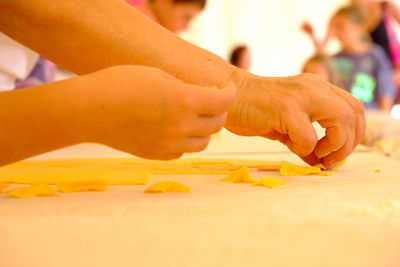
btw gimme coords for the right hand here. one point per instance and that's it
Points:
(151, 114)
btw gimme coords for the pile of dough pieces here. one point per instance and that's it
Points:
(47, 177)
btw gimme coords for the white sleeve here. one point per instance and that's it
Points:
(16, 62)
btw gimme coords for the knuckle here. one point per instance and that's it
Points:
(313, 78)
(359, 106)
(347, 114)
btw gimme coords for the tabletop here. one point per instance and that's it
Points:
(351, 218)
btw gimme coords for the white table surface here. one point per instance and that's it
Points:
(349, 219)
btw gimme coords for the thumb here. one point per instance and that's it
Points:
(216, 101)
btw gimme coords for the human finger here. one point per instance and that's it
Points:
(302, 136)
(359, 113)
(214, 101)
(206, 125)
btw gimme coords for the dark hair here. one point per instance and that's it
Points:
(201, 3)
(236, 53)
(353, 13)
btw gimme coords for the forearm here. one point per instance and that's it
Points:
(84, 36)
(318, 45)
(39, 119)
(323, 43)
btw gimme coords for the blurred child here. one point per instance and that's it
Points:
(174, 15)
(321, 65)
(240, 57)
(378, 22)
(361, 68)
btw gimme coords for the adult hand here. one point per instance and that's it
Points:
(284, 108)
(151, 114)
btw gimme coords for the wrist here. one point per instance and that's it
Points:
(245, 80)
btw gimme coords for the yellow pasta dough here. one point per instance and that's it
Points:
(168, 187)
(269, 182)
(114, 171)
(32, 191)
(240, 176)
(4, 186)
(81, 185)
(320, 165)
(189, 172)
(289, 169)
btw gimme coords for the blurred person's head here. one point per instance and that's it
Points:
(359, 2)
(320, 65)
(349, 26)
(176, 15)
(240, 57)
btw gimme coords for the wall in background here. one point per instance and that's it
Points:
(270, 27)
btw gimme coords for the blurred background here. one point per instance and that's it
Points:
(270, 28)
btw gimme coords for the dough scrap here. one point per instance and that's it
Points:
(289, 169)
(320, 165)
(240, 176)
(270, 168)
(81, 185)
(168, 187)
(270, 182)
(258, 164)
(216, 136)
(115, 171)
(32, 191)
(189, 172)
(214, 166)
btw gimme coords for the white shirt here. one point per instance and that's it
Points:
(16, 62)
